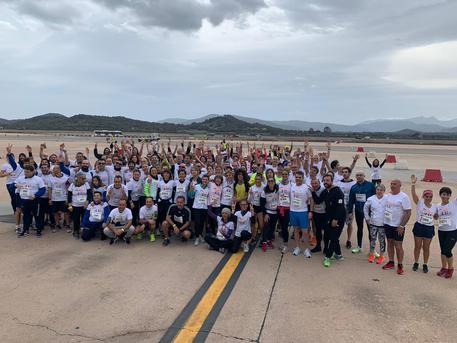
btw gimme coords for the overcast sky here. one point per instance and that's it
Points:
(341, 61)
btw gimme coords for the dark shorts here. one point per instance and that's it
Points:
(423, 231)
(58, 206)
(391, 233)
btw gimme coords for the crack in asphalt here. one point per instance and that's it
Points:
(269, 299)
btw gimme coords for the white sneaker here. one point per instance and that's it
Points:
(245, 247)
(202, 240)
(197, 241)
(296, 251)
(307, 253)
(284, 249)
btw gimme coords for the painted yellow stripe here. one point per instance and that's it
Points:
(190, 330)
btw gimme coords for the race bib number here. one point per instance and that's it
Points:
(81, 198)
(180, 189)
(25, 193)
(444, 221)
(201, 201)
(228, 196)
(297, 202)
(388, 215)
(96, 214)
(165, 193)
(426, 219)
(57, 192)
(361, 197)
(215, 199)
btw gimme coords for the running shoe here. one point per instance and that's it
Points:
(425, 268)
(111, 241)
(127, 240)
(388, 265)
(449, 273)
(263, 246)
(339, 257)
(371, 257)
(245, 247)
(270, 244)
(296, 251)
(67, 228)
(348, 245)
(317, 248)
(197, 241)
(38, 233)
(400, 270)
(139, 236)
(284, 249)
(357, 250)
(202, 240)
(165, 242)
(152, 237)
(222, 250)
(415, 266)
(376, 254)
(442, 272)
(307, 253)
(327, 262)
(380, 259)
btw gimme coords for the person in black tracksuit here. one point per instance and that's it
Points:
(336, 215)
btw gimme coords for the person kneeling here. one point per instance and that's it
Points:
(225, 227)
(95, 217)
(120, 223)
(243, 233)
(178, 219)
(148, 215)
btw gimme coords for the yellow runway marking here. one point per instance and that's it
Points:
(190, 330)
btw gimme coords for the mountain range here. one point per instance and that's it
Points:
(419, 124)
(215, 123)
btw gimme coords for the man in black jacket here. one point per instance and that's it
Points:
(336, 216)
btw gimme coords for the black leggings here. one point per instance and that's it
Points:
(269, 227)
(244, 236)
(29, 210)
(447, 242)
(216, 243)
(43, 208)
(200, 219)
(320, 221)
(334, 234)
(283, 217)
(359, 219)
(76, 216)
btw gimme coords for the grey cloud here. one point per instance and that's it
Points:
(50, 12)
(183, 15)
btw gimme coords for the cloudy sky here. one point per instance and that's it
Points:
(329, 60)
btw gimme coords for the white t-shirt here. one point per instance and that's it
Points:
(284, 194)
(136, 187)
(120, 218)
(224, 228)
(79, 194)
(254, 195)
(243, 223)
(47, 183)
(148, 213)
(117, 194)
(346, 186)
(227, 193)
(181, 189)
(166, 189)
(374, 210)
(447, 216)
(96, 212)
(12, 174)
(299, 198)
(58, 187)
(215, 195)
(271, 201)
(424, 214)
(396, 205)
(201, 197)
(27, 187)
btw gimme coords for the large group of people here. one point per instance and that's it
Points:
(231, 196)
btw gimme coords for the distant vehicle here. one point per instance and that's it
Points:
(108, 133)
